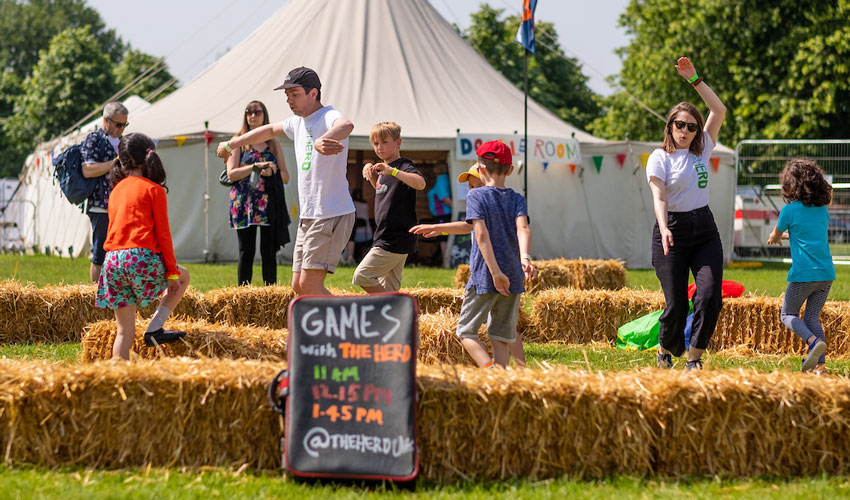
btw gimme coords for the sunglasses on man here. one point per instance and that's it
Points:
(118, 124)
(692, 127)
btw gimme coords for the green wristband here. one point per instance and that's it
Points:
(693, 78)
(227, 147)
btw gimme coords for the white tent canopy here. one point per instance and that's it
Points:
(399, 60)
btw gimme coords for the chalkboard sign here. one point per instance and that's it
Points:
(351, 409)
(461, 247)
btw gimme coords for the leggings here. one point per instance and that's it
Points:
(247, 247)
(813, 293)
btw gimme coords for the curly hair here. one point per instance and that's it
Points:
(803, 180)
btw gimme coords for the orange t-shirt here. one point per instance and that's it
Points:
(138, 218)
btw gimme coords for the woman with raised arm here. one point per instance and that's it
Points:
(685, 238)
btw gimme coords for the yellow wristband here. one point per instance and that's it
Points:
(445, 233)
(173, 276)
(395, 172)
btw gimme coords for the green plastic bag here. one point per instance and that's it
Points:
(640, 334)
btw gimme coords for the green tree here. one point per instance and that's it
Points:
(71, 78)
(780, 67)
(135, 63)
(29, 26)
(554, 80)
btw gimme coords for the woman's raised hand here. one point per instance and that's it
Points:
(685, 68)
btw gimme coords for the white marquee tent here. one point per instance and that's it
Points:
(397, 60)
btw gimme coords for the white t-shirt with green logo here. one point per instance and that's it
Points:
(322, 183)
(685, 175)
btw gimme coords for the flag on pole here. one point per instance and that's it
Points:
(525, 34)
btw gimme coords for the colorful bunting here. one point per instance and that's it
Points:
(597, 161)
(38, 162)
(180, 139)
(715, 162)
(573, 168)
(545, 165)
(643, 159)
(294, 211)
(621, 158)
(209, 136)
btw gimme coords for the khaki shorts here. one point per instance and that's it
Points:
(380, 267)
(320, 242)
(501, 313)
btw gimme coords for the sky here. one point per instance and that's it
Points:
(192, 34)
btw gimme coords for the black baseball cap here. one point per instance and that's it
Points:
(301, 77)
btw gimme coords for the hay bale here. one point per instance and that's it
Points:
(750, 424)
(202, 340)
(473, 424)
(60, 313)
(432, 300)
(171, 412)
(584, 274)
(585, 316)
(266, 306)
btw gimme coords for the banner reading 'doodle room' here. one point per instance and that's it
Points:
(542, 149)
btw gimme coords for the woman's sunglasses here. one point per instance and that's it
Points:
(256, 112)
(692, 127)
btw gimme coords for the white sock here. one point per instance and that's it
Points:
(158, 319)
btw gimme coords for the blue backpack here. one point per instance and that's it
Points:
(68, 170)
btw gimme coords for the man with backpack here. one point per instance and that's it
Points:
(98, 151)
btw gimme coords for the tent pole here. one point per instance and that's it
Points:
(525, 158)
(206, 150)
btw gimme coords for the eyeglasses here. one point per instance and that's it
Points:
(692, 127)
(256, 112)
(118, 124)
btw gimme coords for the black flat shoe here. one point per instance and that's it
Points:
(161, 336)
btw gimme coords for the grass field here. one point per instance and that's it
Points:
(30, 482)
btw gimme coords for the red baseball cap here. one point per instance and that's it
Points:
(496, 151)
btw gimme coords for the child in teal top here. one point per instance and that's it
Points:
(806, 219)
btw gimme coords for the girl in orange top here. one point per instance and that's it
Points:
(140, 261)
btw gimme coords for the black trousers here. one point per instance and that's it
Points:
(247, 248)
(696, 249)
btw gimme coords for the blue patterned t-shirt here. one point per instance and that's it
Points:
(97, 149)
(499, 209)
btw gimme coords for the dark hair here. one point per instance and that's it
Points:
(492, 167)
(318, 92)
(246, 127)
(697, 144)
(137, 151)
(803, 180)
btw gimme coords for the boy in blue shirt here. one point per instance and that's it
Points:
(495, 285)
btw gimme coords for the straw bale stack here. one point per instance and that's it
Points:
(249, 305)
(585, 316)
(59, 313)
(432, 300)
(173, 412)
(748, 424)
(584, 274)
(473, 424)
(202, 340)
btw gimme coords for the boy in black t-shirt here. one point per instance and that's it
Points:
(396, 181)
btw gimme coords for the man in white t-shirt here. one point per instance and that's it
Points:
(321, 135)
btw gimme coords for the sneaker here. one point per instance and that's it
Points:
(695, 365)
(161, 336)
(664, 361)
(816, 348)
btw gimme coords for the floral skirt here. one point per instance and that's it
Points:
(133, 276)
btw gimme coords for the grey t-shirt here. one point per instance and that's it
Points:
(498, 208)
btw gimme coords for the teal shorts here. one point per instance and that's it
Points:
(133, 276)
